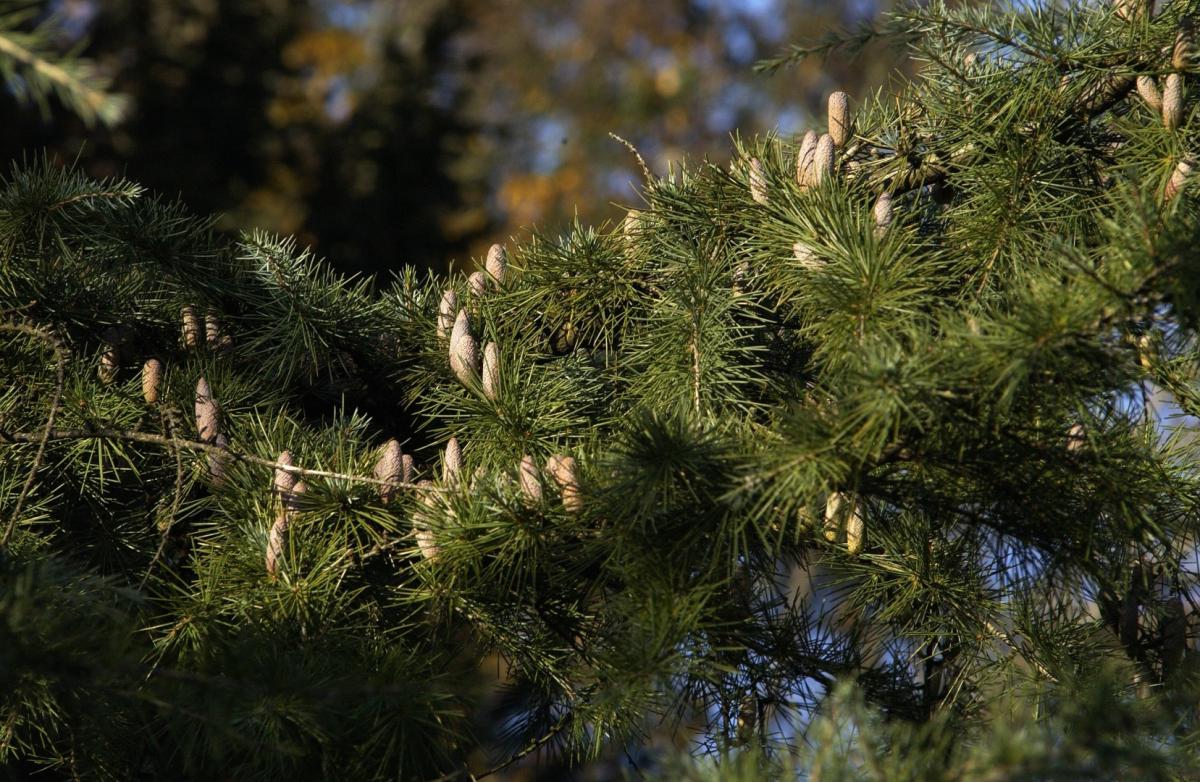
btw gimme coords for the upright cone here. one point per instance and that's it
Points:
(208, 414)
(446, 312)
(758, 181)
(823, 160)
(390, 469)
(1148, 89)
(530, 481)
(839, 118)
(452, 462)
(491, 370)
(109, 364)
(464, 350)
(278, 535)
(804, 160)
(477, 284)
(883, 213)
(152, 375)
(833, 516)
(1179, 178)
(565, 473)
(497, 264)
(284, 481)
(193, 328)
(1172, 102)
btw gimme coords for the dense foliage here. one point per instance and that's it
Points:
(869, 457)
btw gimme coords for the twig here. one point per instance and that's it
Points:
(60, 355)
(96, 433)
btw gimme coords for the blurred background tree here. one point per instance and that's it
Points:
(420, 131)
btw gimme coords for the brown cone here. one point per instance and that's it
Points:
(839, 118)
(446, 311)
(208, 414)
(565, 473)
(804, 161)
(1179, 178)
(1172, 102)
(491, 370)
(758, 181)
(497, 264)
(464, 350)
(530, 480)
(193, 328)
(152, 375)
(389, 468)
(284, 481)
(883, 214)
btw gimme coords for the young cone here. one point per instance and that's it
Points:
(152, 375)
(452, 462)
(530, 480)
(1172, 102)
(854, 530)
(823, 160)
(839, 118)
(1181, 54)
(758, 181)
(389, 468)
(806, 256)
(218, 462)
(215, 334)
(464, 350)
(446, 310)
(1148, 89)
(833, 516)
(284, 481)
(804, 161)
(563, 470)
(883, 214)
(1179, 178)
(497, 264)
(477, 284)
(109, 364)
(426, 542)
(491, 370)
(1076, 438)
(193, 328)
(277, 537)
(407, 469)
(208, 414)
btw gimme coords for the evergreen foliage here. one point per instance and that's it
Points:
(855, 464)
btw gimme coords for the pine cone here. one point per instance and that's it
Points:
(477, 284)
(407, 470)
(758, 181)
(839, 118)
(1076, 438)
(1179, 178)
(564, 471)
(214, 331)
(452, 463)
(833, 516)
(152, 375)
(1148, 89)
(804, 161)
(491, 371)
(807, 257)
(854, 530)
(446, 310)
(277, 537)
(193, 328)
(426, 542)
(531, 482)
(823, 159)
(218, 462)
(389, 468)
(208, 414)
(109, 364)
(1172, 102)
(464, 350)
(497, 263)
(883, 214)
(1181, 54)
(631, 228)
(284, 481)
